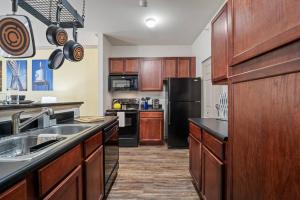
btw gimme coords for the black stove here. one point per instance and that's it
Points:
(128, 134)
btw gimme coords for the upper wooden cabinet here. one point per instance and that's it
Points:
(116, 65)
(123, 65)
(170, 67)
(219, 43)
(186, 67)
(258, 26)
(151, 74)
(131, 66)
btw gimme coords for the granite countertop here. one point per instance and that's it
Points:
(151, 110)
(35, 105)
(12, 172)
(217, 128)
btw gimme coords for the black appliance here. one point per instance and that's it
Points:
(128, 135)
(111, 155)
(183, 102)
(120, 83)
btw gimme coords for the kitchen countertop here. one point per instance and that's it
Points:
(217, 128)
(35, 105)
(151, 110)
(12, 172)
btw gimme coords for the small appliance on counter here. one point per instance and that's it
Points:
(128, 120)
(155, 104)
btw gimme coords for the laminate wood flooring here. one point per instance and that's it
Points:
(153, 172)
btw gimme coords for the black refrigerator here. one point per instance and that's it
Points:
(183, 102)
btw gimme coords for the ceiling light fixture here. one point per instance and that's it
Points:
(143, 3)
(150, 22)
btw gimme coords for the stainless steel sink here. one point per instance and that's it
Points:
(64, 129)
(23, 147)
(28, 145)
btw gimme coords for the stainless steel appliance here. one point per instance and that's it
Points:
(128, 135)
(111, 155)
(119, 83)
(155, 103)
(184, 101)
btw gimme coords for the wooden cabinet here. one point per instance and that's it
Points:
(219, 54)
(258, 26)
(131, 66)
(186, 67)
(207, 166)
(170, 67)
(70, 188)
(151, 74)
(121, 66)
(195, 160)
(212, 176)
(116, 65)
(94, 180)
(151, 127)
(17, 192)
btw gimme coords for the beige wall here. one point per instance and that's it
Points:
(72, 82)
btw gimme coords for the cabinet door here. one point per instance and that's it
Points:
(94, 181)
(184, 67)
(70, 188)
(151, 74)
(219, 46)
(19, 191)
(151, 130)
(170, 68)
(258, 26)
(195, 160)
(212, 176)
(116, 66)
(131, 65)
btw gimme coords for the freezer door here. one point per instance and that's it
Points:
(178, 125)
(184, 89)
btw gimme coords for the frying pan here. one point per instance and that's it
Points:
(16, 35)
(56, 59)
(73, 51)
(55, 34)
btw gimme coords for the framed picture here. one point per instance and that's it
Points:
(16, 75)
(0, 75)
(42, 76)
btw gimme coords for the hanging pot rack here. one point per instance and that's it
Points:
(46, 12)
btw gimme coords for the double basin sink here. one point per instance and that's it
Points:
(28, 145)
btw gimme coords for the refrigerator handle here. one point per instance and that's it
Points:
(169, 113)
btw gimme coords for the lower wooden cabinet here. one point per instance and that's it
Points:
(212, 176)
(195, 160)
(151, 127)
(94, 180)
(17, 192)
(207, 166)
(70, 188)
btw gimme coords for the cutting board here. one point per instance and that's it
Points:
(90, 119)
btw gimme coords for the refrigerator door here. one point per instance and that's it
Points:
(178, 125)
(184, 89)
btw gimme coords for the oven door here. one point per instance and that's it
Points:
(111, 150)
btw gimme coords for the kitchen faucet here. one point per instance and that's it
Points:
(17, 125)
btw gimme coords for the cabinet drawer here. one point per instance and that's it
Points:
(214, 145)
(195, 131)
(151, 114)
(55, 171)
(19, 191)
(91, 144)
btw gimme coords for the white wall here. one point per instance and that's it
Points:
(151, 51)
(202, 50)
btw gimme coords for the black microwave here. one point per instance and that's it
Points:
(123, 83)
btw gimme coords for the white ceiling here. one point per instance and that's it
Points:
(122, 21)
(180, 21)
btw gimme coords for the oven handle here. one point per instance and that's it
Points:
(107, 129)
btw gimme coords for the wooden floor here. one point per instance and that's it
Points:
(153, 172)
